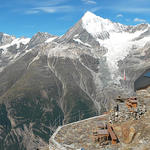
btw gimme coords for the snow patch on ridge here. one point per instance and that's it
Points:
(76, 35)
(119, 46)
(17, 42)
(79, 41)
(50, 39)
(16, 52)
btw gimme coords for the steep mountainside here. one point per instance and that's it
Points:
(48, 76)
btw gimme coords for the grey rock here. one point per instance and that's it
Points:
(5, 39)
(39, 38)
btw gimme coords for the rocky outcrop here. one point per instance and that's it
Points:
(5, 39)
(128, 134)
(38, 39)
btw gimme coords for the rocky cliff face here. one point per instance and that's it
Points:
(5, 39)
(48, 76)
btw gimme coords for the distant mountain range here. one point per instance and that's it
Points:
(48, 76)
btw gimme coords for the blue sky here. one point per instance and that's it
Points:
(27, 17)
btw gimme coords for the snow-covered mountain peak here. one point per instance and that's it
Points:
(117, 38)
(90, 15)
(96, 25)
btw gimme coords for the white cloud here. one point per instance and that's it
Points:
(119, 16)
(139, 20)
(95, 9)
(89, 1)
(41, 3)
(49, 3)
(55, 9)
(31, 12)
(49, 6)
(134, 10)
